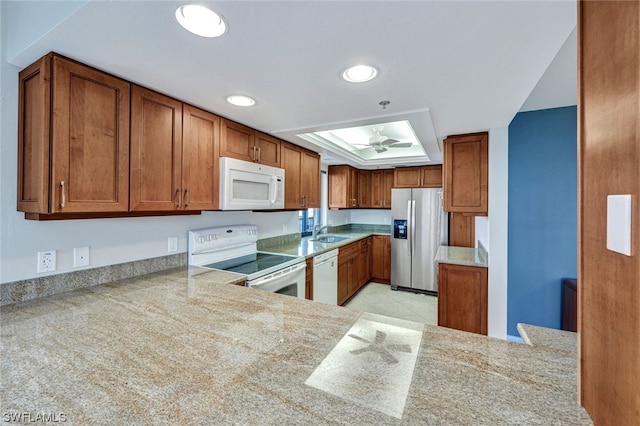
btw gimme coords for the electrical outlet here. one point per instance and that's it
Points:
(46, 261)
(172, 244)
(80, 257)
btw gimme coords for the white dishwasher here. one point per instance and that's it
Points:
(325, 277)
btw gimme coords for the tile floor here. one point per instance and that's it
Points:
(380, 299)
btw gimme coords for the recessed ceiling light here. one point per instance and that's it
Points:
(201, 20)
(360, 73)
(241, 100)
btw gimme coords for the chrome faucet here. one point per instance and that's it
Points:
(317, 229)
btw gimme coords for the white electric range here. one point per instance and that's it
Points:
(234, 249)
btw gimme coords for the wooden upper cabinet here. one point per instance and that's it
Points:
(343, 187)
(466, 173)
(381, 185)
(364, 189)
(418, 177)
(301, 177)
(310, 179)
(267, 150)
(462, 230)
(292, 165)
(156, 151)
(76, 119)
(236, 140)
(200, 154)
(245, 143)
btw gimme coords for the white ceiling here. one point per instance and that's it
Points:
(458, 66)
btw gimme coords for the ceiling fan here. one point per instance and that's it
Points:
(380, 143)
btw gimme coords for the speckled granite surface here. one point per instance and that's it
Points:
(557, 340)
(461, 256)
(167, 348)
(19, 291)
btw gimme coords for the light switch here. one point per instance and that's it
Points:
(619, 223)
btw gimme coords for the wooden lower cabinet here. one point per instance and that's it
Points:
(364, 263)
(348, 271)
(381, 259)
(462, 297)
(309, 280)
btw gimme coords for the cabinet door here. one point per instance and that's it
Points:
(156, 150)
(377, 188)
(310, 179)
(364, 189)
(353, 183)
(462, 230)
(309, 280)
(291, 163)
(34, 114)
(388, 185)
(407, 177)
(90, 144)
(338, 186)
(462, 298)
(236, 141)
(466, 160)
(267, 150)
(343, 279)
(381, 259)
(364, 262)
(431, 177)
(200, 165)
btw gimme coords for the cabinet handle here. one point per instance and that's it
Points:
(188, 194)
(63, 192)
(178, 192)
(259, 154)
(252, 153)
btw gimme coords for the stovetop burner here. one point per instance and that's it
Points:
(252, 264)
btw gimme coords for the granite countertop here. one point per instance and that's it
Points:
(462, 256)
(307, 248)
(169, 348)
(549, 338)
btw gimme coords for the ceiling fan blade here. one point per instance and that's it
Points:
(401, 145)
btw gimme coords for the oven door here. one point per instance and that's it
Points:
(290, 281)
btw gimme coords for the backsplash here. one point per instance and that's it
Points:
(361, 227)
(20, 291)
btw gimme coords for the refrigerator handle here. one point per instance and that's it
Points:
(409, 227)
(413, 227)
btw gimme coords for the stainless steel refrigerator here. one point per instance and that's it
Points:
(420, 226)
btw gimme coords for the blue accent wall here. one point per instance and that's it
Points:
(542, 214)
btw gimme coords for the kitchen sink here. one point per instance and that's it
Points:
(329, 239)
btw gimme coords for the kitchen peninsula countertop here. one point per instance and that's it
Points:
(465, 256)
(169, 348)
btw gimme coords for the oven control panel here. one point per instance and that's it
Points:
(211, 239)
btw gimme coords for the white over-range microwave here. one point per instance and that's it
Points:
(250, 186)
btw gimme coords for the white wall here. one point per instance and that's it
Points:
(111, 241)
(482, 231)
(371, 217)
(497, 231)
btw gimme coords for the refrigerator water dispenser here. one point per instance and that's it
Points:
(400, 229)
